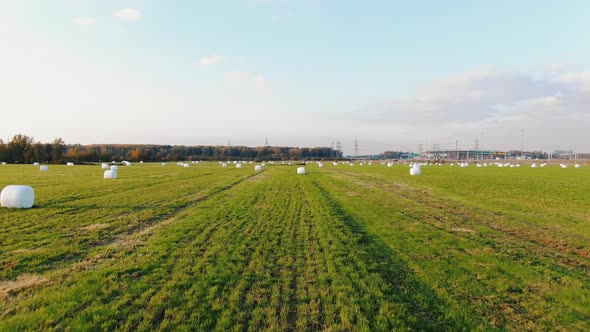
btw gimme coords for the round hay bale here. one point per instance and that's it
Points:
(163, 164)
(70, 164)
(114, 168)
(17, 196)
(35, 164)
(415, 170)
(105, 166)
(300, 170)
(3, 163)
(110, 174)
(238, 165)
(223, 164)
(577, 165)
(257, 168)
(43, 168)
(187, 165)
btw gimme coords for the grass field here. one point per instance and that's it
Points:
(341, 248)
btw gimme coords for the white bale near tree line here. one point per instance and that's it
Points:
(415, 170)
(3, 163)
(110, 174)
(43, 168)
(163, 164)
(114, 168)
(35, 164)
(335, 163)
(187, 165)
(534, 165)
(238, 165)
(17, 196)
(105, 166)
(320, 165)
(577, 165)
(257, 168)
(223, 164)
(300, 170)
(70, 164)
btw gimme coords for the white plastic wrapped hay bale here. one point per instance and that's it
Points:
(110, 174)
(43, 168)
(335, 163)
(415, 170)
(223, 164)
(105, 166)
(257, 168)
(114, 168)
(70, 164)
(3, 163)
(163, 164)
(187, 165)
(141, 161)
(320, 165)
(17, 196)
(300, 170)
(534, 165)
(35, 164)
(577, 165)
(238, 165)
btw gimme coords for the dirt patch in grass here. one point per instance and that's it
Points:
(94, 227)
(463, 230)
(24, 281)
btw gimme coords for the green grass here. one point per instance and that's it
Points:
(341, 248)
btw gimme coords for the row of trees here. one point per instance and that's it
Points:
(23, 149)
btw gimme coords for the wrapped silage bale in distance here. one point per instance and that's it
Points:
(114, 168)
(415, 170)
(163, 164)
(17, 196)
(335, 163)
(564, 166)
(35, 164)
(187, 165)
(300, 170)
(257, 168)
(141, 161)
(577, 165)
(105, 166)
(238, 165)
(320, 165)
(43, 168)
(110, 174)
(3, 163)
(534, 165)
(223, 164)
(70, 164)
(543, 164)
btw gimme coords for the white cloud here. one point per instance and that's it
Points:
(129, 14)
(212, 60)
(554, 110)
(84, 21)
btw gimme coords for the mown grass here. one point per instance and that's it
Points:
(342, 248)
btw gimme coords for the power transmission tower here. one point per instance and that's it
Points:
(338, 148)
(477, 147)
(356, 147)
(332, 149)
(266, 141)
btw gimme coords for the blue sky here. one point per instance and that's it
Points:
(394, 74)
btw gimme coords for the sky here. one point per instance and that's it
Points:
(393, 75)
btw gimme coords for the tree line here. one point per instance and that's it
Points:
(23, 149)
